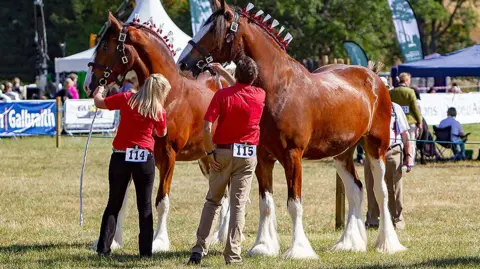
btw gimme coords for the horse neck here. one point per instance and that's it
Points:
(272, 61)
(156, 58)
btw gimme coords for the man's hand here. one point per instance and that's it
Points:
(408, 162)
(214, 165)
(218, 68)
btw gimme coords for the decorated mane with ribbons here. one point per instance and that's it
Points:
(262, 22)
(158, 31)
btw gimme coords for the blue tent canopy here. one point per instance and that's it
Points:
(462, 63)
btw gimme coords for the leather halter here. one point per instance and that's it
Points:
(107, 71)
(207, 57)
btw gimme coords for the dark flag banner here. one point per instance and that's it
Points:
(407, 30)
(356, 53)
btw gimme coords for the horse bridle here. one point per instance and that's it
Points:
(107, 71)
(207, 57)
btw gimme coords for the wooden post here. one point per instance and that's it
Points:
(348, 61)
(324, 60)
(339, 204)
(341, 61)
(335, 61)
(59, 121)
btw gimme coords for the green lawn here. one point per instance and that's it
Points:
(39, 213)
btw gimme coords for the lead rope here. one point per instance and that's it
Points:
(83, 165)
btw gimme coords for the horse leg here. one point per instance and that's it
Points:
(117, 242)
(354, 238)
(266, 243)
(387, 241)
(301, 248)
(165, 163)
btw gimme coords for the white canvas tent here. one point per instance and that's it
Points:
(146, 9)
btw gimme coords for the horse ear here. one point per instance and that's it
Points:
(114, 23)
(218, 5)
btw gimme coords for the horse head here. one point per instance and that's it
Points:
(114, 57)
(224, 35)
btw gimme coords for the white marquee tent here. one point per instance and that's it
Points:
(146, 9)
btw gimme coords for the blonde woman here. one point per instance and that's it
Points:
(142, 115)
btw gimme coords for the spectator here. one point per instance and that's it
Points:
(404, 96)
(10, 93)
(4, 97)
(456, 134)
(432, 90)
(399, 154)
(71, 87)
(17, 87)
(64, 93)
(455, 89)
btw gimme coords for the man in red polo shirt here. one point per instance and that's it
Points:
(238, 110)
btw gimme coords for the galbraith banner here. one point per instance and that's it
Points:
(26, 118)
(407, 30)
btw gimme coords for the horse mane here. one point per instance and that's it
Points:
(220, 25)
(150, 27)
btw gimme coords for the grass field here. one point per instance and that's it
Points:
(39, 213)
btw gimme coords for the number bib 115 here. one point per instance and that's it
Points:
(136, 155)
(244, 151)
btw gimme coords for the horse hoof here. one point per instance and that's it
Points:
(389, 247)
(160, 245)
(115, 245)
(300, 252)
(263, 249)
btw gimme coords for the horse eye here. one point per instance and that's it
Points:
(105, 46)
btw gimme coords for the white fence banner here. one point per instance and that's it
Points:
(78, 115)
(434, 107)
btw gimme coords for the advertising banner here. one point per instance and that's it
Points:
(356, 53)
(200, 11)
(25, 118)
(434, 107)
(407, 30)
(79, 114)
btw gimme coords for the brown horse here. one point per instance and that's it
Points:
(147, 52)
(312, 116)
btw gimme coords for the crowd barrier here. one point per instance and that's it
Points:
(42, 117)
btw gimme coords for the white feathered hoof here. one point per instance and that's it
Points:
(300, 252)
(264, 249)
(160, 245)
(115, 245)
(389, 246)
(350, 243)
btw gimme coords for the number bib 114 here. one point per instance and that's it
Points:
(244, 151)
(136, 155)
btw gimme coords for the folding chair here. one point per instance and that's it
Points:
(443, 135)
(426, 151)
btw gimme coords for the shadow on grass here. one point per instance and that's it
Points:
(435, 263)
(60, 254)
(23, 248)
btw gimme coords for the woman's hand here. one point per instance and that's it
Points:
(99, 90)
(214, 165)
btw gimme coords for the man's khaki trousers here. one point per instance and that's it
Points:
(239, 172)
(393, 179)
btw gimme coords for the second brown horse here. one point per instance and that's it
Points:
(313, 116)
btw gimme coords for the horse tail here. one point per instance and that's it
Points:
(375, 66)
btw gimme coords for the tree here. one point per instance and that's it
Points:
(445, 25)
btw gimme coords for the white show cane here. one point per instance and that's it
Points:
(83, 166)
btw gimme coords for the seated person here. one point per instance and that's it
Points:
(457, 135)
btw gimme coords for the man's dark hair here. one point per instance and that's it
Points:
(247, 70)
